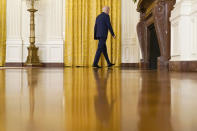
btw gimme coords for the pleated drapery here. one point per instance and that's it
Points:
(2, 31)
(80, 46)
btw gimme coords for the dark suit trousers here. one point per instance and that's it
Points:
(102, 48)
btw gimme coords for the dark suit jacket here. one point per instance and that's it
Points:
(102, 26)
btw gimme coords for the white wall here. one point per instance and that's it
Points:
(14, 40)
(50, 30)
(184, 31)
(130, 45)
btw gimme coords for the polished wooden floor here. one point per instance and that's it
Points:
(86, 99)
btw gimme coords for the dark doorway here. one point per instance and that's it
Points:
(154, 48)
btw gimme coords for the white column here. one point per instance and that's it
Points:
(194, 31)
(130, 45)
(184, 29)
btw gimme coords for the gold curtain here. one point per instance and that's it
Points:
(2, 31)
(80, 46)
(92, 99)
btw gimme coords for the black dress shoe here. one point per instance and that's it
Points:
(110, 65)
(96, 66)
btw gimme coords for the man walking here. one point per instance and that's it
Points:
(101, 28)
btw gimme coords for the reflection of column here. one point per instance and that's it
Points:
(32, 77)
(155, 102)
(92, 102)
(2, 101)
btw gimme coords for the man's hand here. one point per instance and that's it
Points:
(114, 36)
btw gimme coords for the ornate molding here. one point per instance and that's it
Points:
(155, 12)
(141, 31)
(161, 14)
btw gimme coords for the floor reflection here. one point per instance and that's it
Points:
(2, 100)
(33, 76)
(92, 100)
(154, 105)
(33, 100)
(86, 99)
(103, 107)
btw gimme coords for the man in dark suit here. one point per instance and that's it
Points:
(101, 28)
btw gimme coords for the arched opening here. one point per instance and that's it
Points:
(154, 52)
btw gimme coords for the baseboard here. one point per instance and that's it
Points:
(14, 65)
(52, 65)
(134, 65)
(183, 66)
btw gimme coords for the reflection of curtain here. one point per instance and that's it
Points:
(92, 100)
(2, 31)
(2, 100)
(80, 46)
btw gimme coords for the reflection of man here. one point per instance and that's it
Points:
(101, 28)
(102, 106)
